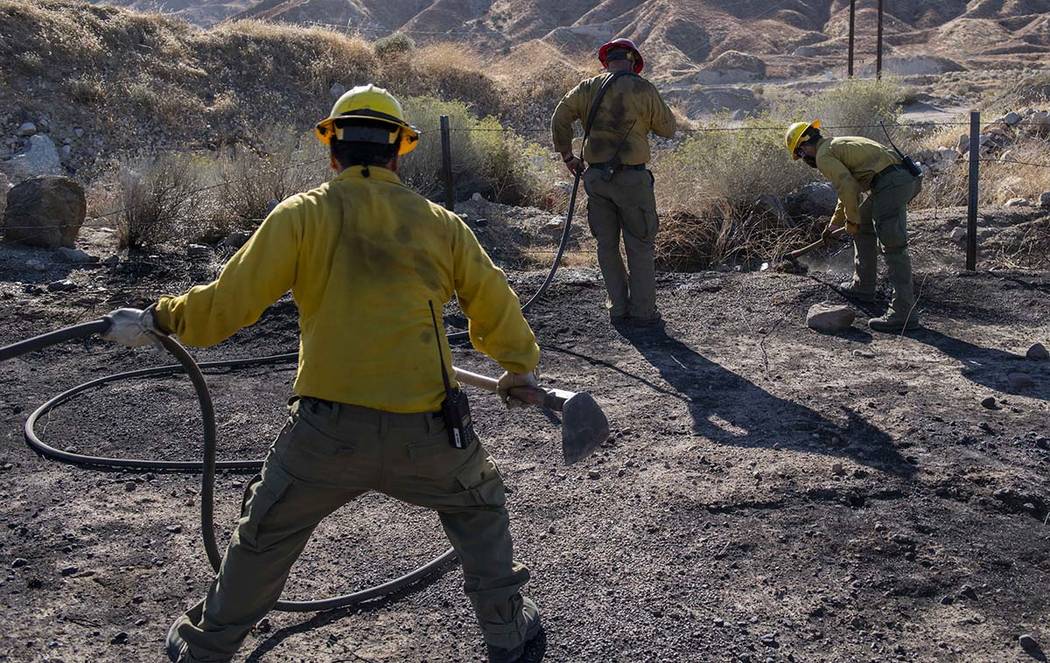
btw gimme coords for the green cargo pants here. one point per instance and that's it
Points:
(327, 455)
(884, 226)
(625, 204)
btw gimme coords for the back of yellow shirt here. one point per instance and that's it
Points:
(851, 163)
(362, 257)
(631, 108)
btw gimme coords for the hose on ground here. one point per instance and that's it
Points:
(209, 464)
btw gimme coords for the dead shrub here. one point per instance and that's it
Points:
(253, 180)
(159, 200)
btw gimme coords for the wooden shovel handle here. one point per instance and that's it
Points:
(553, 399)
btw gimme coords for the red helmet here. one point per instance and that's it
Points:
(639, 63)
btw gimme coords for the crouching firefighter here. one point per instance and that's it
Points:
(618, 110)
(854, 164)
(367, 261)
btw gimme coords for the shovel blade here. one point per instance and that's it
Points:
(583, 427)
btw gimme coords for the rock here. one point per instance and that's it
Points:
(477, 197)
(112, 261)
(198, 251)
(26, 129)
(963, 146)
(837, 469)
(1037, 352)
(43, 125)
(174, 529)
(769, 639)
(1018, 202)
(69, 570)
(235, 240)
(814, 199)
(830, 318)
(990, 403)
(45, 211)
(957, 235)
(40, 158)
(1019, 381)
(554, 227)
(119, 639)
(1044, 200)
(76, 256)
(593, 474)
(1031, 647)
(1011, 119)
(337, 90)
(968, 592)
(19, 562)
(65, 285)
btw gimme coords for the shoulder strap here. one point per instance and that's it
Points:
(593, 112)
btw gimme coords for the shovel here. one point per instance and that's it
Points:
(791, 257)
(583, 424)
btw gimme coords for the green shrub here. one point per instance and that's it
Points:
(396, 44)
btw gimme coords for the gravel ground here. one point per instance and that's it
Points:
(768, 493)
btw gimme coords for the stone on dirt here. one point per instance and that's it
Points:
(39, 158)
(1044, 200)
(1019, 381)
(235, 240)
(1038, 352)
(65, 285)
(76, 256)
(45, 211)
(1031, 647)
(957, 234)
(830, 318)
(1017, 202)
(27, 129)
(1012, 118)
(990, 403)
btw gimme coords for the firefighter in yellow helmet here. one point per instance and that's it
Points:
(854, 165)
(363, 257)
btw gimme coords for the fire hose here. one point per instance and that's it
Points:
(584, 424)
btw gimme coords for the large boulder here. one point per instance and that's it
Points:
(39, 158)
(45, 211)
(814, 199)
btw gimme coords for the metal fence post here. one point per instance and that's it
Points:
(852, 24)
(975, 176)
(878, 47)
(446, 164)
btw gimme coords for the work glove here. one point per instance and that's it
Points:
(509, 380)
(575, 165)
(132, 327)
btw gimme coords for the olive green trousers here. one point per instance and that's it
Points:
(884, 229)
(625, 205)
(327, 455)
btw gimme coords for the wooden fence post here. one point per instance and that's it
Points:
(852, 24)
(878, 47)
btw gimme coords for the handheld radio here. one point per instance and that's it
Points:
(455, 409)
(906, 161)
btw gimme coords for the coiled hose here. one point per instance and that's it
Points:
(206, 468)
(210, 464)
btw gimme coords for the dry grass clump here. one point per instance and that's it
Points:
(159, 199)
(252, 181)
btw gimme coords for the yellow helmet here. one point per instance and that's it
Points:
(368, 102)
(794, 135)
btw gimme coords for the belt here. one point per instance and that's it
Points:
(605, 165)
(886, 171)
(335, 411)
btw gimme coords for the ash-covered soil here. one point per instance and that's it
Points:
(768, 494)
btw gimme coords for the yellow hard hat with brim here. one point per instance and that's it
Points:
(795, 133)
(368, 102)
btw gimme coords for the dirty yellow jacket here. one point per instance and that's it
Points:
(850, 163)
(630, 109)
(362, 257)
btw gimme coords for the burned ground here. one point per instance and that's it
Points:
(768, 493)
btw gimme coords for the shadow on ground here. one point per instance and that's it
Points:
(990, 367)
(729, 409)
